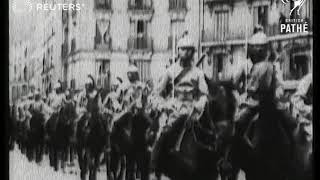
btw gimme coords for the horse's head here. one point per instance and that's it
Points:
(221, 108)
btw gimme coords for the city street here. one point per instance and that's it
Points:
(21, 169)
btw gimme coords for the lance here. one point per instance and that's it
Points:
(246, 50)
(173, 57)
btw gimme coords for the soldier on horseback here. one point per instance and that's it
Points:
(39, 107)
(263, 83)
(56, 100)
(111, 103)
(189, 88)
(302, 98)
(129, 93)
(86, 99)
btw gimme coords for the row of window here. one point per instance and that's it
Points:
(140, 4)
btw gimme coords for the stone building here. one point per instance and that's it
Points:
(227, 24)
(106, 35)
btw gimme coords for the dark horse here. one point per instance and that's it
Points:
(204, 143)
(36, 135)
(130, 140)
(269, 148)
(92, 137)
(60, 130)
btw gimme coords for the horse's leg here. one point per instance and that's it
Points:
(130, 167)
(123, 167)
(108, 164)
(144, 165)
(93, 161)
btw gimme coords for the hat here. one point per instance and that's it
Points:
(186, 41)
(258, 38)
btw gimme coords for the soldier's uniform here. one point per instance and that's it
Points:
(111, 102)
(39, 107)
(262, 86)
(190, 92)
(131, 91)
(187, 91)
(302, 105)
(302, 98)
(86, 103)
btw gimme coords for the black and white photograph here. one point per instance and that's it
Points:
(160, 90)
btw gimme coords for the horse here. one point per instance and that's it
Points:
(130, 139)
(64, 134)
(12, 127)
(36, 135)
(271, 146)
(204, 144)
(92, 134)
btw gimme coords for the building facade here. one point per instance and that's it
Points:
(226, 26)
(105, 36)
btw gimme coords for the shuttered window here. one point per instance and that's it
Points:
(144, 69)
(260, 16)
(221, 25)
(102, 39)
(103, 73)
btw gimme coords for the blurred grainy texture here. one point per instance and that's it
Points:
(104, 36)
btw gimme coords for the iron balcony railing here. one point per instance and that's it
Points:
(103, 4)
(140, 5)
(103, 46)
(140, 43)
(177, 4)
(239, 34)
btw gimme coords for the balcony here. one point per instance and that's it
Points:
(177, 9)
(140, 9)
(239, 34)
(103, 5)
(177, 5)
(144, 44)
(105, 46)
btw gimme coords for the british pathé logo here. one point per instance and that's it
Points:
(296, 4)
(294, 25)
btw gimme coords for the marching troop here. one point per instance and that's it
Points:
(182, 91)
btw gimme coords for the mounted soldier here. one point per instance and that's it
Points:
(189, 88)
(56, 98)
(86, 99)
(302, 98)
(39, 107)
(263, 80)
(129, 93)
(302, 104)
(111, 103)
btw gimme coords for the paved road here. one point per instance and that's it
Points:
(22, 169)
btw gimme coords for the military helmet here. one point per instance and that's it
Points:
(258, 38)
(186, 41)
(30, 95)
(132, 68)
(36, 92)
(57, 85)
